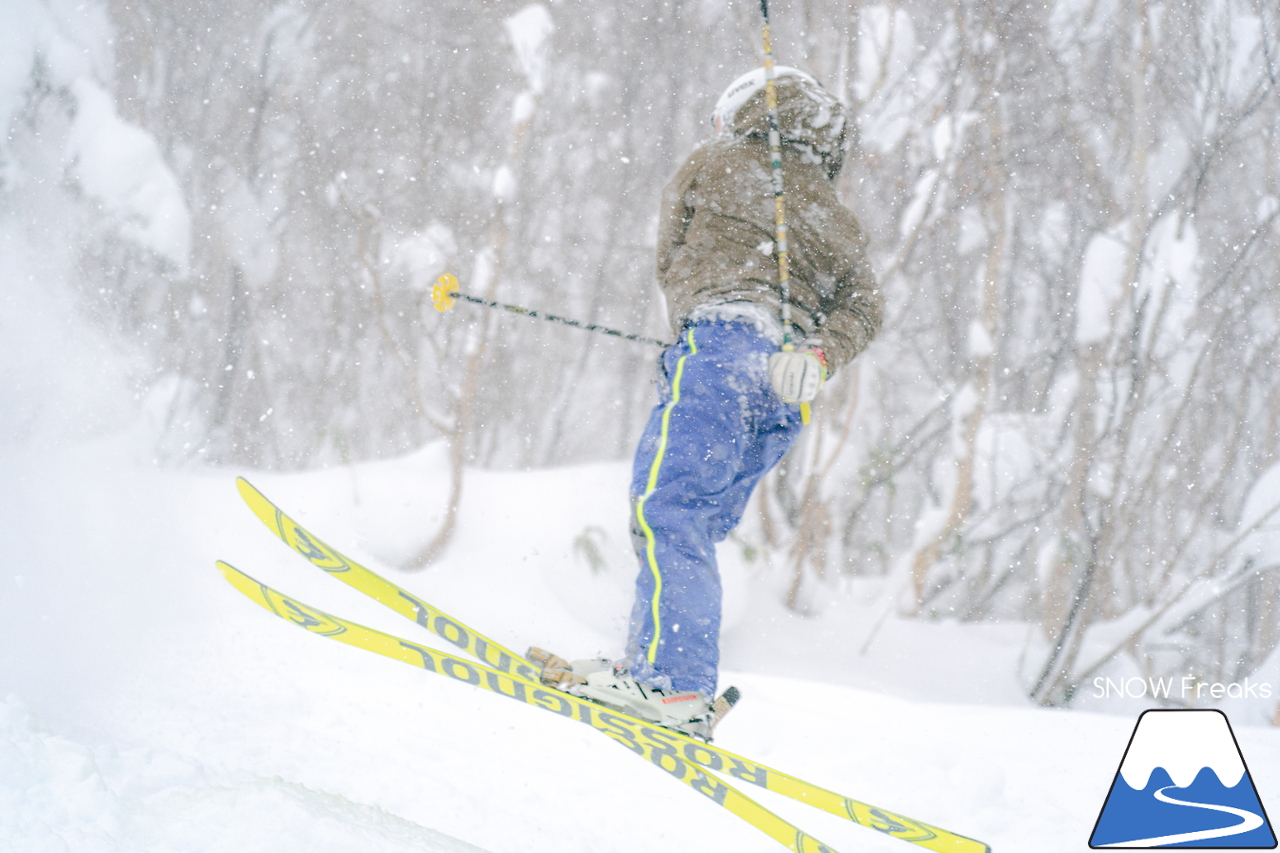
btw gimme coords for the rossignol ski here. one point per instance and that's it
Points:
(505, 672)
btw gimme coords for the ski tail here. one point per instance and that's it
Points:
(724, 705)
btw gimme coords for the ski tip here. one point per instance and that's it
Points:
(246, 489)
(229, 571)
(236, 578)
(259, 503)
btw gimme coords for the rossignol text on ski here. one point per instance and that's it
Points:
(503, 671)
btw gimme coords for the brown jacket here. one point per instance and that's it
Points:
(715, 238)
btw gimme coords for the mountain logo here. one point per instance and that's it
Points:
(1183, 783)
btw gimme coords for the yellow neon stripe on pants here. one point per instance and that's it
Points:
(649, 488)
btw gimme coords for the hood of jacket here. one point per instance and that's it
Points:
(809, 118)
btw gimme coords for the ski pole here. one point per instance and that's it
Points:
(445, 292)
(779, 206)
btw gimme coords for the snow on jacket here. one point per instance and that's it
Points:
(715, 238)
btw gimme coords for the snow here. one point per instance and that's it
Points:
(949, 132)
(423, 255)
(1173, 275)
(115, 163)
(246, 222)
(152, 707)
(888, 42)
(1260, 521)
(120, 165)
(921, 196)
(980, 343)
(1101, 285)
(529, 29)
(522, 109)
(145, 705)
(67, 35)
(66, 795)
(1267, 207)
(504, 184)
(892, 82)
(973, 231)
(61, 376)
(1245, 40)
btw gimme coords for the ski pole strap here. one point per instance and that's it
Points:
(779, 207)
(445, 293)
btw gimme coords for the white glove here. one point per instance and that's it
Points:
(796, 375)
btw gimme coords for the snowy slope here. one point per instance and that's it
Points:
(60, 794)
(151, 707)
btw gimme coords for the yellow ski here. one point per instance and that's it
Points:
(380, 589)
(504, 662)
(662, 748)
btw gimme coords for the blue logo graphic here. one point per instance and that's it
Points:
(1183, 783)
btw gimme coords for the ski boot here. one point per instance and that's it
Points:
(610, 684)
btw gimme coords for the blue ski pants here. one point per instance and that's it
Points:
(718, 429)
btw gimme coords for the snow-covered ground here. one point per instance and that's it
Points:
(151, 707)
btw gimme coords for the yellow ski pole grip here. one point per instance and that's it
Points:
(441, 292)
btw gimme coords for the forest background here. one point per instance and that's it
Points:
(1069, 420)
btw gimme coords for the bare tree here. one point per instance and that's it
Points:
(1073, 209)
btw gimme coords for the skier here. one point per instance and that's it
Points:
(730, 394)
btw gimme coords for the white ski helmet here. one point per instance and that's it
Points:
(741, 90)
